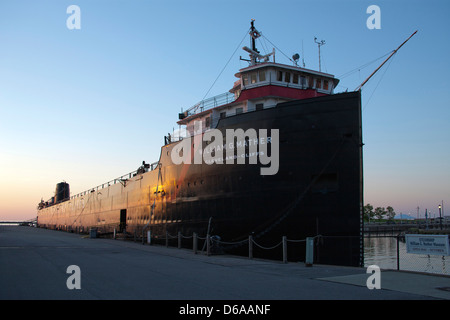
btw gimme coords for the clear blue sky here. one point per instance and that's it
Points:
(88, 105)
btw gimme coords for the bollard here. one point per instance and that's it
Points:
(179, 240)
(250, 247)
(149, 237)
(194, 240)
(114, 235)
(284, 249)
(309, 259)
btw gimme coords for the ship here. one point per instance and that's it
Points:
(278, 155)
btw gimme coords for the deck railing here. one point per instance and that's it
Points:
(210, 103)
(120, 179)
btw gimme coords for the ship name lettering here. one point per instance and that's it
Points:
(237, 140)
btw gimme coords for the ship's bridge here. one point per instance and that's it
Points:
(261, 85)
(281, 75)
(258, 87)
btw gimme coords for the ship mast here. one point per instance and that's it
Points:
(254, 34)
(254, 53)
(393, 52)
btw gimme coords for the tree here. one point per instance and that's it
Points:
(390, 214)
(368, 212)
(380, 212)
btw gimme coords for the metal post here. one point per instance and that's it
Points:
(149, 237)
(309, 258)
(250, 247)
(194, 237)
(114, 234)
(208, 246)
(179, 240)
(398, 253)
(284, 249)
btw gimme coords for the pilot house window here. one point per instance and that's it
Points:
(253, 77)
(318, 83)
(262, 76)
(245, 79)
(287, 77)
(279, 76)
(303, 81)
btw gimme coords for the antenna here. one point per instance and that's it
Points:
(303, 56)
(319, 44)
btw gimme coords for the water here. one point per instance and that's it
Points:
(382, 251)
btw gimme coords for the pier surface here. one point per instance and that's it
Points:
(34, 262)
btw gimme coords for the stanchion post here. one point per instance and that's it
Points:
(208, 245)
(149, 237)
(194, 240)
(309, 259)
(250, 247)
(284, 249)
(179, 240)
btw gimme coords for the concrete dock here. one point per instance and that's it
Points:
(34, 266)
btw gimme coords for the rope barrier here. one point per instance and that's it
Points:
(163, 236)
(212, 243)
(230, 243)
(296, 240)
(269, 248)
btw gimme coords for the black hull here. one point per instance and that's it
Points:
(317, 190)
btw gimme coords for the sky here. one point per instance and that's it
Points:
(88, 105)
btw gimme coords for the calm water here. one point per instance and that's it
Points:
(382, 251)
